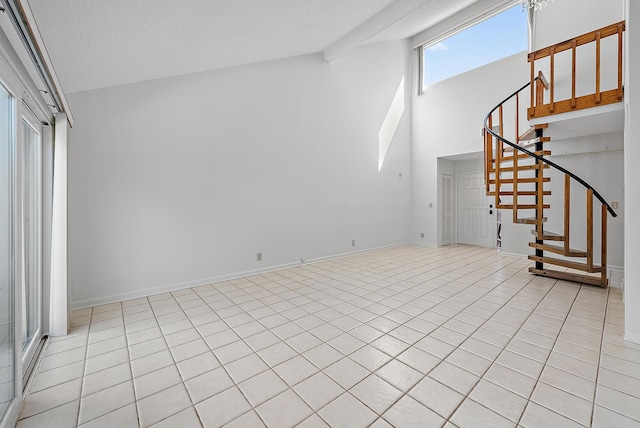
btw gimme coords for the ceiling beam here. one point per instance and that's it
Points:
(375, 25)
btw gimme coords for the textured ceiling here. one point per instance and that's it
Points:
(100, 43)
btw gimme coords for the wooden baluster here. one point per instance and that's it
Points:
(567, 211)
(552, 81)
(589, 230)
(490, 159)
(603, 257)
(532, 109)
(598, 95)
(573, 73)
(539, 90)
(620, 30)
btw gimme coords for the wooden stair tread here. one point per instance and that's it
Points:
(525, 156)
(523, 193)
(558, 250)
(566, 263)
(548, 236)
(531, 132)
(520, 168)
(521, 206)
(520, 180)
(530, 220)
(569, 276)
(531, 143)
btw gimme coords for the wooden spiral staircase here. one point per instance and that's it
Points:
(517, 171)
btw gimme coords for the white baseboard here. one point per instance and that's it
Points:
(150, 291)
(616, 276)
(424, 244)
(632, 336)
(517, 255)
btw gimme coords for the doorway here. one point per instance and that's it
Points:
(475, 220)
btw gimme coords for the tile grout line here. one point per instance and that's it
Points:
(595, 389)
(448, 419)
(458, 346)
(84, 369)
(547, 359)
(322, 370)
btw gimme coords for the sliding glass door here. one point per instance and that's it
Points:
(31, 151)
(7, 291)
(21, 247)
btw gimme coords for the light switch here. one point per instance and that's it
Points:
(614, 205)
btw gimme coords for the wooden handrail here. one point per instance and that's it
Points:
(516, 147)
(610, 30)
(539, 108)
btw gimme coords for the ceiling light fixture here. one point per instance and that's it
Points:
(534, 4)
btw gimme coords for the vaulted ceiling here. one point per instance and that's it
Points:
(97, 43)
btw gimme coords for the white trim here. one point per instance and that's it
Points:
(632, 336)
(19, 72)
(59, 299)
(426, 244)
(465, 18)
(38, 41)
(617, 273)
(520, 256)
(150, 291)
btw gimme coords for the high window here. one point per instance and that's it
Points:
(494, 38)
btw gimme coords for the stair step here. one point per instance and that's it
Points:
(566, 263)
(531, 143)
(568, 276)
(548, 236)
(558, 250)
(521, 206)
(520, 168)
(525, 156)
(523, 193)
(530, 220)
(531, 132)
(520, 180)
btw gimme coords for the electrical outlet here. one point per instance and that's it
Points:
(422, 235)
(353, 243)
(614, 205)
(259, 257)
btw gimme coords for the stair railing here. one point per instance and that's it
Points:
(493, 165)
(539, 108)
(489, 149)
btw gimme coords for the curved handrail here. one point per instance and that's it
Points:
(541, 158)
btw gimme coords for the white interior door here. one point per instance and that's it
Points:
(475, 219)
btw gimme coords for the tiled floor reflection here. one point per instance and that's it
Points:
(410, 336)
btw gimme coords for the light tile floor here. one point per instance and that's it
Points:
(410, 336)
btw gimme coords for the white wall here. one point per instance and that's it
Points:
(632, 174)
(448, 120)
(564, 19)
(604, 170)
(181, 181)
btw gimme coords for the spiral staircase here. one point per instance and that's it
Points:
(517, 167)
